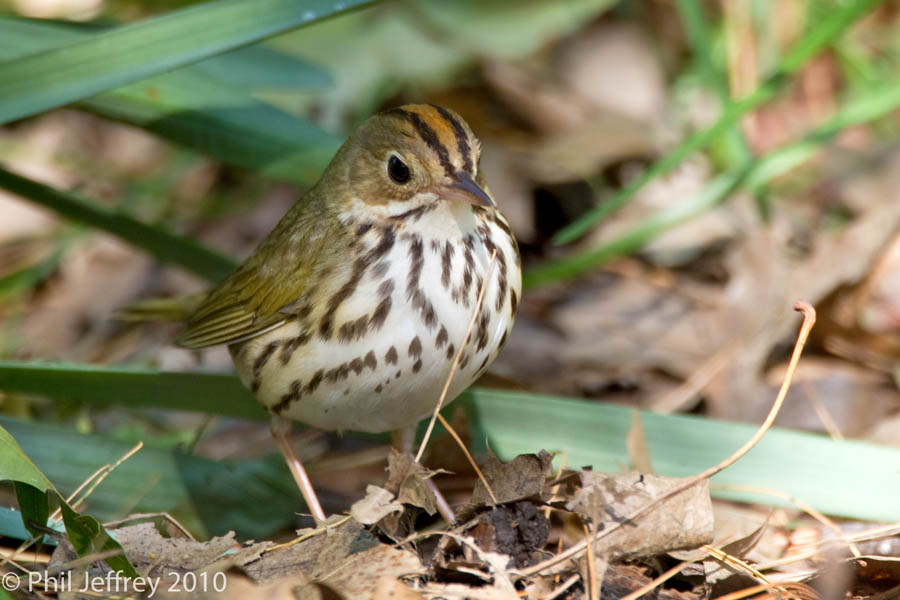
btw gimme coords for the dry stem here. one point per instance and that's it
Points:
(809, 319)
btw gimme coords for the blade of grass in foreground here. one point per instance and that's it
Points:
(128, 53)
(165, 246)
(211, 393)
(814, 41)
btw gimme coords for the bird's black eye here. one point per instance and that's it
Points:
(398, 170)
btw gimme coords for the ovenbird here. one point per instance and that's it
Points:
(350, 313)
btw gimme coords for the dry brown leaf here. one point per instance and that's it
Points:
(682, 522)
(361, 573)
(406, 479)
(522, 477)
(376, 505)
(315, 557)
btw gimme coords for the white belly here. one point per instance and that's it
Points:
(378, 360)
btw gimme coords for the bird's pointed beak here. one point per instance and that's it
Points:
(465, 189)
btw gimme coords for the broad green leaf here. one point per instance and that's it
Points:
(32, 490)
(89, 537)
(129, 53)
(252, 497)
(16, 466)
(205, 106)
(132, 386)
(163, 245)
(35, 507)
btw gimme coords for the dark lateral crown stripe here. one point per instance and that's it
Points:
(462, 140)
(428, 136)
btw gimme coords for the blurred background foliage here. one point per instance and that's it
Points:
(678, 172)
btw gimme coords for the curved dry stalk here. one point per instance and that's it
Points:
(306, 536)
(471, 460)
(456, 359)
(809, 319)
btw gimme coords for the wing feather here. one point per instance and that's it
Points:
(258, 296)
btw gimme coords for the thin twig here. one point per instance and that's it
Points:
(306, 536)
(471, 460)
(815, 514)
(453, 367)
(102, 474)
(562, 589)
(593, 586)
(809, 319)
(734, 561)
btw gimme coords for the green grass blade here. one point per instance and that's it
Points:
(734, 148)
(134, 387)
(251, 497)
(251, 67)
(826, 474)
(165, 246)
(815, 40)
(568, 267)
(206, 106)
(872, 104)
(128, 53)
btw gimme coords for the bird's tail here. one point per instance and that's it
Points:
(161, 309)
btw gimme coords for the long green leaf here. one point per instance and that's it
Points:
(825, 473)
(136, 387)
(158, 242)
(206, 106)
(814, 41)
(128, 53)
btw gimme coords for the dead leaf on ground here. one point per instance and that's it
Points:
(525, 476)
(682, 522)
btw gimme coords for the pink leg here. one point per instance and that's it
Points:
(281, 432)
